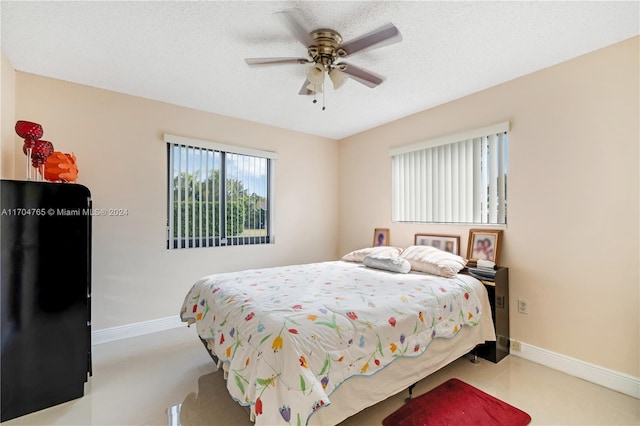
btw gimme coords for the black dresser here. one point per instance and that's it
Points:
(46, 294)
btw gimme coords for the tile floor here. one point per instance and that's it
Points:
(168, 378)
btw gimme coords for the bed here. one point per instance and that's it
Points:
(317, 343)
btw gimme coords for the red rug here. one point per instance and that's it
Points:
(456, 403)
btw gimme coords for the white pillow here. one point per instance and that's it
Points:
(359, 255)
(433, 261)
(388, 263)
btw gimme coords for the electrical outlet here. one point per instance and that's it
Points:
(523, 306)
(515, 345)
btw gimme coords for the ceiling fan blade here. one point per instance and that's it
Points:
(292, 20)
(252, 62)
(383, 36)
(361, 75)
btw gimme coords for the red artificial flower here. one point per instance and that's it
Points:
(41, 150)
(29, 143)
(28, 129)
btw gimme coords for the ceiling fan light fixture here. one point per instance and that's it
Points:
(316, 88)
(315, 74)
(338, 78)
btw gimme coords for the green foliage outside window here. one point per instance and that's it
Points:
(234, 223)
(244, 211)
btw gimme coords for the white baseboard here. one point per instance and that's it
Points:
(106, 335)
(602, 376)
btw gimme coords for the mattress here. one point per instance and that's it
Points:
(294, 338)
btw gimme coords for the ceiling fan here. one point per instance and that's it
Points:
(325, 51)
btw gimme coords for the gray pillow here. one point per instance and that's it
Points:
(388, 263)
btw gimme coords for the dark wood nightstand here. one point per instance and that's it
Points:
(499, 299)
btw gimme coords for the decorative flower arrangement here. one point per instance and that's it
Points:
(53, 166)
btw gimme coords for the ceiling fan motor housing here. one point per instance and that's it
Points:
(325, 49)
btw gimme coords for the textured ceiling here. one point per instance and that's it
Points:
(191, 53)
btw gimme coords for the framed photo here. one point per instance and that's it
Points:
(450, 243)
(484, 244)
(381, 237)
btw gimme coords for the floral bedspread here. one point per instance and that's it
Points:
(293, 334)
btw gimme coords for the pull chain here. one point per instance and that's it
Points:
(323, 107)
(315, 93)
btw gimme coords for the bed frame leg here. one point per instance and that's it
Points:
(206, 346)
(474, 358)
(410, 392)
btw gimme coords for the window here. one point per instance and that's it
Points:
(218, 195)
(456, 179)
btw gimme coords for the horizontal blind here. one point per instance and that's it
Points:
(453, 182)
(217, 198)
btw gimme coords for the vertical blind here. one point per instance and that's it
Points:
(218, 195)
(457, 179)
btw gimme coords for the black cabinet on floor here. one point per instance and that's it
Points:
(499, 298)
(45, 300)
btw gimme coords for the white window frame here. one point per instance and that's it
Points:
(213, 240)
(458, 178)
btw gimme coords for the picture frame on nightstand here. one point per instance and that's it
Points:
(484, 244)
(381, 237)
(448, 243)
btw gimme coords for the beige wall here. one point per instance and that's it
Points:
(118, 140)
(572, 237)
(8, 120)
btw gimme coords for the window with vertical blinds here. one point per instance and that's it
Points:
(218, 195)
(456, 179)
